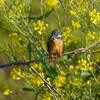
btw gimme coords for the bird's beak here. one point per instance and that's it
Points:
(59, 35)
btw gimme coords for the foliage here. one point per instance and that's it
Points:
(27, 25)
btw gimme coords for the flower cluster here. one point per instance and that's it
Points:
(13, 37)
(75, 25)
(17, 74)
(16, 10)
(40, 26)
(76, 82)
(92, 36)
(17, 42)
(68, 37)
(2, 2)
(83, 65)
(7, 92)
(49, 4)
(72, 12)
(47, 96)
(38, 67)
(36, 80)
(83, 68)
(75, 7)
(60, 80)
(94, 16)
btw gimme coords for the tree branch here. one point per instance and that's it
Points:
(80, 50)
(49, 86)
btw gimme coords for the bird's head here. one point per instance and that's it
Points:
(56, 32)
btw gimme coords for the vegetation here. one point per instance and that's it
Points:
(25, 26)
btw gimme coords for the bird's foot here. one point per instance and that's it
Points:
(59, 55)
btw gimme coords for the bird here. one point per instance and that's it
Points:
(55, 44)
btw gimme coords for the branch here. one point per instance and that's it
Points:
(80, 50)
(49, 86)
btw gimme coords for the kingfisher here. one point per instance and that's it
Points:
(55, 44)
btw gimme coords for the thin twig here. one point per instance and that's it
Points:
(94, 44)
(54, 95)
(50, 87)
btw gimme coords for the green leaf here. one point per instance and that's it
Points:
(85, 73)
(11, 52)
(52, 72)
(29, 50)
(46, 14)
(28, 89)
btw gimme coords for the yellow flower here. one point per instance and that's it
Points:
(60, 79)
(49, 4)
(16, 74)
(76, 25)
(40, 26)
(38, 67)
(71, 67)
(88, 83)
(36, 80)
(49, 80)
(10, 15)
(66, 30)
(94, 16)
(2, 2)
(7, 92)
(77, 83)
(62, 73)
(13, 38)
(68, 37)
(72, 12)
(47, 96)
(66, 33)
(91, 35)
(84, 65)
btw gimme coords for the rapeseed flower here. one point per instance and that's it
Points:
(17, 10)
(49, 4)
(40, 26)
(7, 92)
(36, 80)
(2, 2)
(72, 12)
(76, 25)
(94, 16)
(38, 66)
(17, 74)
(14, 39)
(71, 67)
(47, 96)
(82, 66)
(17, 42)
(68, 37)
(60, 79)
(66, 30)
(77, 83)
(91, 35)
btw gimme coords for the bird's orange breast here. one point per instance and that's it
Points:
(56, 46)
